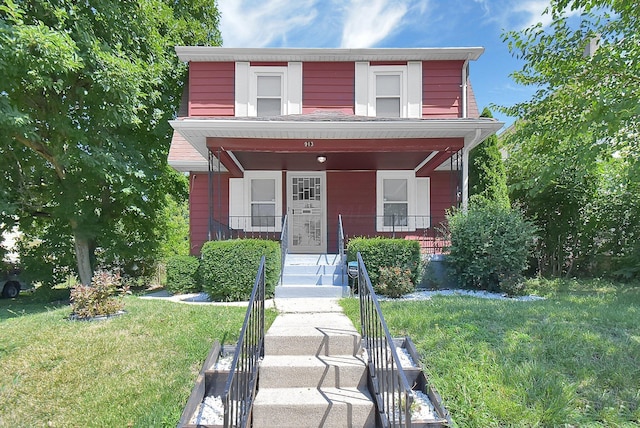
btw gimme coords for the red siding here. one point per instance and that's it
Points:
(441, 93)
(328, 86)
(352, 194)
(199, 207)
(443, 193)
(211, 88)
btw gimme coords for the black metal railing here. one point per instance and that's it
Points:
(284, 246)
(341, 248)
(240, 389)
(260, 227)
(430, 232)
(392, 392)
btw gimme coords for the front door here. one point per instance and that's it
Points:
(306, 202)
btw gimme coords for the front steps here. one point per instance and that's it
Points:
(313, 275)
(312, 374)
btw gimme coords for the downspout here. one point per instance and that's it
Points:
(465, 168)
(465, 77)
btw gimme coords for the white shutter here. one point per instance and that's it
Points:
(423, 203)
(242, 89)
(236, 203)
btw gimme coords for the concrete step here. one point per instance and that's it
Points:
(287, 291)
(312, 269)
(312, 279)
(312, 259)
(297, 371)
(312, 334)
(313, 407)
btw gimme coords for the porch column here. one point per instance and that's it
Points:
(469, 143)
(465, 178)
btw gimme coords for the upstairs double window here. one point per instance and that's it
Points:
(268, 90)
(389, 90)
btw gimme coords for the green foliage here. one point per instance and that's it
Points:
(98, 299)
(381, 252)
(487, 176)
(174, 225)
(490, 246)
(88, 92)
(564, 361)
(228, 268)
(182, 274)
(574, 161)
(394, 282)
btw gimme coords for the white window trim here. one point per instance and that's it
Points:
(389, 70)
(411, 202)
(246, 87)
(254, 73)
(365, 88)
(243, 202)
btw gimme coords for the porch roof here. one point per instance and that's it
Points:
(332, 126)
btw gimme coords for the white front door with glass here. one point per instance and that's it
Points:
(306, 201)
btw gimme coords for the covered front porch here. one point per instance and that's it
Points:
(292, 178)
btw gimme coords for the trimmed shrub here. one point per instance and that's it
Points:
(384, 252)
(228, 268)
(98, 299)
(394, 282)
(490, 246)
(182, 274)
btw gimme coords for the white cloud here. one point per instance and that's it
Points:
(255, 23)
(367, 22)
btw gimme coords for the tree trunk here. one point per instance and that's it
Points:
(83, 256)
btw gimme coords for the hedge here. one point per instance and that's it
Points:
(381, 252)
(182, 274)
(228, 268)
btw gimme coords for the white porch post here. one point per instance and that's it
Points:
(465, 178)
(469, 143)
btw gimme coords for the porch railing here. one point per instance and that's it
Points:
(389, 383)
(260, 227)
(430, 232)
(240, 389)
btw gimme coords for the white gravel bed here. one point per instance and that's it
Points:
(422, 409)
(224, 362)
(427, 294)
(210, 412)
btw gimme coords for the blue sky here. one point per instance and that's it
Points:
(393, 23)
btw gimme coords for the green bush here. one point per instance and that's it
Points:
(490, 246)
(394, 282)
(228, 268)
(182, 274)
(384, 252)
(99, 298)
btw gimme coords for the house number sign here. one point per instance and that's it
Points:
(308, 143)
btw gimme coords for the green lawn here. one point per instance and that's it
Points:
(570, 360)
(134, 370)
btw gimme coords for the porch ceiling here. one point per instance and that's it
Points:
(365, 135)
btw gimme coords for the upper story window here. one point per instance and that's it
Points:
(388, 94)
(269, 94)
(389, 90)
(268, 90)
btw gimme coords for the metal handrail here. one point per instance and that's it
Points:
(240, 389)
(343, 259)
(393, 394)
(284, 246)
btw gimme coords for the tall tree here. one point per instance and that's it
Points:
(575, 152)
(87, 89)
(487, 177)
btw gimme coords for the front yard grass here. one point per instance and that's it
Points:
(133, 370)
(570, 360)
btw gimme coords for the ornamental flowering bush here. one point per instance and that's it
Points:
(394, 282)
(100, 298)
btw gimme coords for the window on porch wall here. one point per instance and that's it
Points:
(263, 202)
(395, 202)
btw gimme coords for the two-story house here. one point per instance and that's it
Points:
(380, 137)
